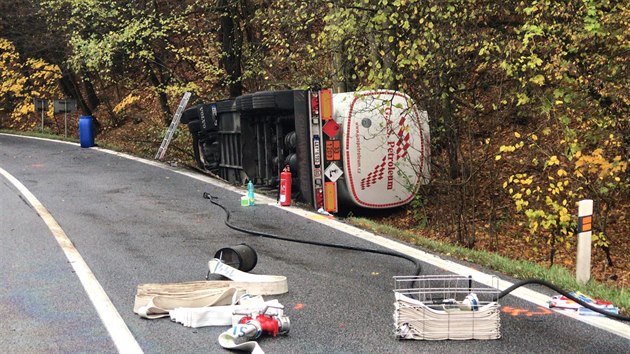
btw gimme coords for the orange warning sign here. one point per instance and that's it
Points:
(325, 98)
(585, 223)
(333, 150)
(330, 201)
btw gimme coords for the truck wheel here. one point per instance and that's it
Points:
(189, 115)
(303, 149)
(244, 103)
(280, 100)
(209, 151)
(194, 127)
(226, 106)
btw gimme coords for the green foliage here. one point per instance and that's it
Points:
(162, 47)
(554, 72)
(569, 65)
(418, 205)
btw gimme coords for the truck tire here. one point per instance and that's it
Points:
(303, 149)
(189, 115)
(195, 127)
(244, 103)
(276, 100)
(226, 106)
(210, 152)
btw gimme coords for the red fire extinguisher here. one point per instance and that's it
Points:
(285, 186)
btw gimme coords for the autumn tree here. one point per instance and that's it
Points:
(570, 60)
(22, 80)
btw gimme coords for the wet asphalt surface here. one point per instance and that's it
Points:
(134, 223)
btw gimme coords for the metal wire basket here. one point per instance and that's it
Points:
(445, 307)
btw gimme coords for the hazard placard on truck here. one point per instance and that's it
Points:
(366, 149)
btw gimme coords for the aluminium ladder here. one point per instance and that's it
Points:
(171, 129)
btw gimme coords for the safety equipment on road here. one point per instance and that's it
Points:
(224, 315)
(285, 186)
(439, 307)
(156, 300)
(470, 303)
(416, 320)
(251, 327)
(254, 284)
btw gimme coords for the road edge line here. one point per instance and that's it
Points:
(118, 330)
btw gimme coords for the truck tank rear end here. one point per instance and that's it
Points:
(386, 147)
(365, 149)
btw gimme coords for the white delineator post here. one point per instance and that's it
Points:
(585, 230)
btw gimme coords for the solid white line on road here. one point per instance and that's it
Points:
(115, 325)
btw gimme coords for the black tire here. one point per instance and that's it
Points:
(276, 100)
(244, 103)
(189, 115)
(210, 154)
(194, 127)
(303, 150)
(226, 106)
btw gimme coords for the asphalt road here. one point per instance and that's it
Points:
(137, 223)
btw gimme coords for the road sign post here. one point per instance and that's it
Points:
(41, 106)
(65, 106)
(585, 230)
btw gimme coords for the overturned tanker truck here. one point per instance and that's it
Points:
(367, 149)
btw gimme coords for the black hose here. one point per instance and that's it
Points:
(562, 292)
(276, 237)
(411, 259)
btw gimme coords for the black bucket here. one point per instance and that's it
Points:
(241, 257)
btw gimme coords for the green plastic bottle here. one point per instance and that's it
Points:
(250, 193)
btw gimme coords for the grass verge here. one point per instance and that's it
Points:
(519, 269)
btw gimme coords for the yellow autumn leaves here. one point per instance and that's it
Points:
(21, 81)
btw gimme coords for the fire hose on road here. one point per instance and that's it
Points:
(214, 200)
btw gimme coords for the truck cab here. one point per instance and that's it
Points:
(367, 149)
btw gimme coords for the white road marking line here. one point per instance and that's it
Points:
(115, 325)
(607, 324)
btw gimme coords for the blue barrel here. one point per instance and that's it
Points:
(86, 131)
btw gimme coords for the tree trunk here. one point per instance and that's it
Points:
(70, 88)
(232, 42)
(451, 127)
(162, 97)
(91, 96)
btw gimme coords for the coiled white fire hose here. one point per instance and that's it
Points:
(156, 300)
(215, 303)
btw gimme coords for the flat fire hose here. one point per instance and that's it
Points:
(237, 338)
(156, 300)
